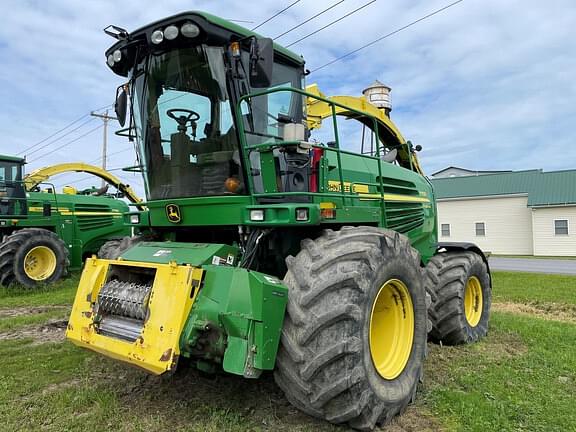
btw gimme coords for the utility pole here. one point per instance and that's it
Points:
(105, 118)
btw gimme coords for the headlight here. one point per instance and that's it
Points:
(157, 37)
(171, 32)
(117, 55)
(190, 30)
(135, 219)
(110, 60)
(302, 214)
(257, 215)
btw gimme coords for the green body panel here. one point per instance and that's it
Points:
(83, 222)
(246, 306)
(195, 254)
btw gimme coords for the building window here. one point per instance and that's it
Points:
(445, 230)
(480, 229)
(561, 227)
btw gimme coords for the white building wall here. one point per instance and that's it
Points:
(546, 242)
(507, 219)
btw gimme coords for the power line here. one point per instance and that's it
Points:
(111, 154)
(275, 15)
(68, 174)
(388, 35)
(60, 137)
(61, 130)
(330, 24)
(309, 19)
(68, 143)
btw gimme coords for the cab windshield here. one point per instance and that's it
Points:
(12, 194)
(183, 119)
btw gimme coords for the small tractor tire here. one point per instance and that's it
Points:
(33, 256)
(461, 305)
(354, 335)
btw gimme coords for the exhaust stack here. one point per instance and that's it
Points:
(378, 95)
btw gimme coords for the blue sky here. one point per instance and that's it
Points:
(484, 85)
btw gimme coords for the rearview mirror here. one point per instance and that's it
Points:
(121, 104)
(261, 62)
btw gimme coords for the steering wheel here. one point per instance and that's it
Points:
(188, 117)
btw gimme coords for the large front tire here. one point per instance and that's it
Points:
(33, 256)
(354, 337)
(463, 294)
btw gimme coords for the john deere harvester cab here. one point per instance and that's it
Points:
(280, 240)
(44, 233)
(12, 194)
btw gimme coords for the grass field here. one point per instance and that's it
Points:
(521, 377)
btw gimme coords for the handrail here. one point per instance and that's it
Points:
(246, 149)
(25, 199)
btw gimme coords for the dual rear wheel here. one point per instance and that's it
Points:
(358, 318)
(461, 290)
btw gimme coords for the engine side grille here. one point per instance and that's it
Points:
(400, 187)
(88, 222)
(403, 217)
(92, 208)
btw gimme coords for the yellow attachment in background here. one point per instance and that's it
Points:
(318, 110)
(69, 190)
(171, 299)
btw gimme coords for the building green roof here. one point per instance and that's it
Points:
(543, 188)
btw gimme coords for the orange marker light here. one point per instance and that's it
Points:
(235, 48)
(232, 184)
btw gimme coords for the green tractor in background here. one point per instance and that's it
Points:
(44, 233)
(273, 246)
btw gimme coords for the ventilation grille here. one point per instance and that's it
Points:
(399, 187)
(404, 217)
(87, 222)
(92, 208)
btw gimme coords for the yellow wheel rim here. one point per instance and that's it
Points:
(40, 263)
(391, 329)
(473, 301)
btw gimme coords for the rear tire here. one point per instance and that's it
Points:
(463, 294)
(33, 256)
(325, 361)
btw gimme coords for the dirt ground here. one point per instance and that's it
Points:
(548, 311)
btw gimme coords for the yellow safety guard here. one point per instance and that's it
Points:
(157, 348)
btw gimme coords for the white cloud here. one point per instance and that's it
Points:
(485, 85)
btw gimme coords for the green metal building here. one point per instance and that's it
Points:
(517, 213)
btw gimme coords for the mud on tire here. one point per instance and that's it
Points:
(324, 363)
(16, 246)
(447, 275)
